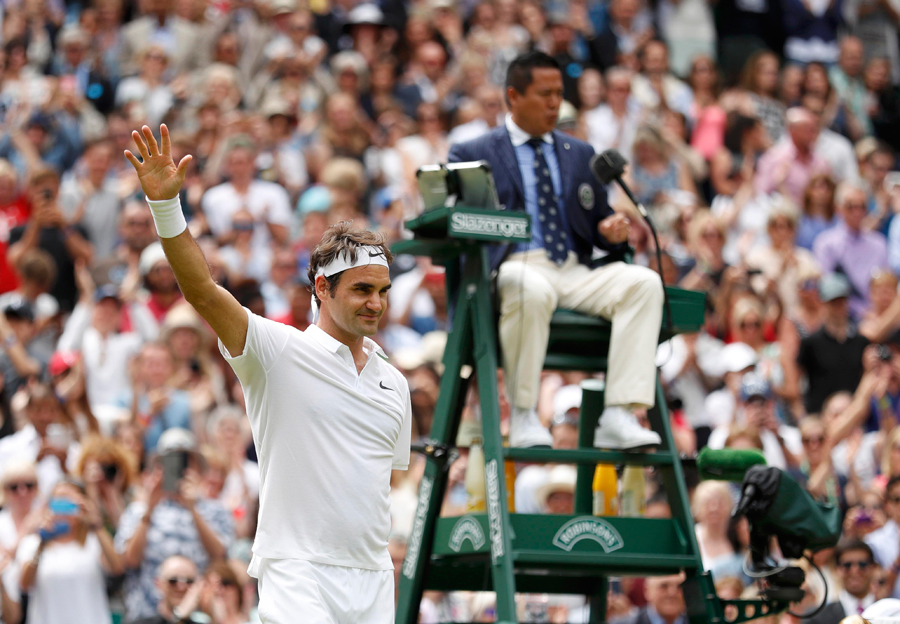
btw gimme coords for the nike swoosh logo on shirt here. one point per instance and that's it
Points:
(375, 254)
(383, 387)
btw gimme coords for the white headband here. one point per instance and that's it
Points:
(366, 255)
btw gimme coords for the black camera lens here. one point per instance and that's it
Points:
(110, 471)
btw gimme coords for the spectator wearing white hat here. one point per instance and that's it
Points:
(165, 523)
(557, 495)
(188, 339)
(564, 426)
(159, 281)
(19, 516)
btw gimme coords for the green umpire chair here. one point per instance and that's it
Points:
(507, 552)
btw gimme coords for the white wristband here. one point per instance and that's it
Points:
(168, 217)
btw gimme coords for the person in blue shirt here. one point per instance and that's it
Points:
(155, 403)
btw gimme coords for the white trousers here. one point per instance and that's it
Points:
(293, 590)
(631, 297)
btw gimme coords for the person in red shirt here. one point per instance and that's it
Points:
(14, 211)
(159, 280)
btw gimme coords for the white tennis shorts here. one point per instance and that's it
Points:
(293, 590)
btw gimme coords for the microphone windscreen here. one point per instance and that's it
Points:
(727, 464)
(608, 165)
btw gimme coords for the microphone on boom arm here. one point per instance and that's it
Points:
(608, 167)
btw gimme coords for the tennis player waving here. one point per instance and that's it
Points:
(330, 416)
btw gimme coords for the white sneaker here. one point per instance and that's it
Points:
(619, 430)
(525, 429)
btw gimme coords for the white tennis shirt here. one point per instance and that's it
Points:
(327, 439)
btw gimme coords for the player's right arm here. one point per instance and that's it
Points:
(161, 180)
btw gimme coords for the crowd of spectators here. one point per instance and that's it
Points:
(763, 136)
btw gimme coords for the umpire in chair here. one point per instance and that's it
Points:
(574, 260)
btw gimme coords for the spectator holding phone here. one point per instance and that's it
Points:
(48, 230)
(108, 471)
(172, 519)
(63, 566)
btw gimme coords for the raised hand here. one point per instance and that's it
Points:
(159, 177)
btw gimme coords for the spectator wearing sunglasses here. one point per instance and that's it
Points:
(885, 542)
(222, 596)
(18, 517)
(179, 592)
(855, 570)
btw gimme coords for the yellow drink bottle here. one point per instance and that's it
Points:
(606, 490)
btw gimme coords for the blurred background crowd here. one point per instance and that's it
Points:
(763, 136)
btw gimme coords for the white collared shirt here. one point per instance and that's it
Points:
(851, 604)
(327, 438)
(519, 136)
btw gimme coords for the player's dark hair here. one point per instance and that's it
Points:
(341, 238)
(519, 73)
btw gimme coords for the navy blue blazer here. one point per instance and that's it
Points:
(584, 196)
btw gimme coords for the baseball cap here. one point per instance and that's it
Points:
(833, 286)
(18, 307)
(277, 106)
(280, 7)
(42, 120)
(366, 13)
(107, 291)
(72, 34)
(566, 399)
(737, 356)
(176, 439)
(316, 199)
(558, 15)
(61, 361)
(753, 385)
